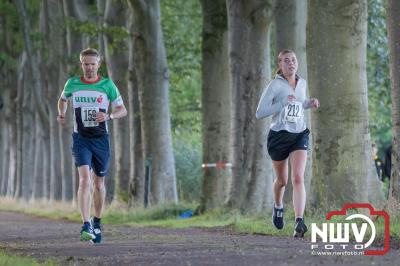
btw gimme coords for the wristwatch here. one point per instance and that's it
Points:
(111, 117)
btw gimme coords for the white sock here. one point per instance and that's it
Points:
(278, 206)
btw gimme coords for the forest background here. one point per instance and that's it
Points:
(192, 101)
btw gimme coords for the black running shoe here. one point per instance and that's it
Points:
(97, 232)
(277, 218)
(300, 228)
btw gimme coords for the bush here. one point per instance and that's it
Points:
(187, 151)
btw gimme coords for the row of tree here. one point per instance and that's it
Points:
(37, 161)
(329, 38)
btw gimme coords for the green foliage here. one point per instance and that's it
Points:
(181, 23)
(13, 260)
(379, 99)
(188, 157)
(11, 41)
(118, 35)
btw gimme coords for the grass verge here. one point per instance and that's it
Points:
(168, 216)
(13, 260)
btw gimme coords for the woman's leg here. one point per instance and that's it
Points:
(281, 172)
(298, 160)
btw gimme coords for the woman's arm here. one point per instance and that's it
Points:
(267, 106)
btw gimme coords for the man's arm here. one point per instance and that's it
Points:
(117, 112)
(62, 109)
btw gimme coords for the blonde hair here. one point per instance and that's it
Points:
(90, 52)
(283, 52)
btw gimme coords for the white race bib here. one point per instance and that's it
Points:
(293, 112)
(88, 116)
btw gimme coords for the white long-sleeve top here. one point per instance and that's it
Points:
(286, 115)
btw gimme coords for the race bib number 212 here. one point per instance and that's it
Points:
(293, 112)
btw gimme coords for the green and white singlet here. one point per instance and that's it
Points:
(89, 98)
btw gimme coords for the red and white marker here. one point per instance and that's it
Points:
(219, 165)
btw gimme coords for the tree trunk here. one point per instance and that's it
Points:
(116, 15)
(5, 153)
(67, 162)
(52, 20)
(136, 182)
(33, 61)
(12, 166)
(336, 37)
(38, 178)
(34, 65)
(152, 73)
(216, 99)
(6, 139)
(27, 129)
(18, 116)
(393, 11)
(290, 26)
(2, 148)
(11, 133)
(249, 23)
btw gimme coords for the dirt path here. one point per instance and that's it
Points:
(43, 238)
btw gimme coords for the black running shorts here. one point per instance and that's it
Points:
(281, 143)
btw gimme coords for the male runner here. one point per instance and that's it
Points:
(91, 96)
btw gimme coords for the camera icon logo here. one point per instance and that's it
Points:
(335, 236)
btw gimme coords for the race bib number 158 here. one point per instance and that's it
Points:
(88, 116)
(293, 112)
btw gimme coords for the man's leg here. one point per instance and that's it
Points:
(101, 162)
(84, 202)
(99, 195)
(84, 192)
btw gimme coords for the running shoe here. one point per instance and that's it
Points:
(87, 232)
(300, 228)
(97, 232)
(277, 218)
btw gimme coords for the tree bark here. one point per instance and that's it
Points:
(216, 99)
(12, 166)
(6, 138)
(33, 61)
(336, 37)
(393, 9)
(52, 20)
(39, 177)
(116, 15)
(2, 148)
(136, 181)
(152, 73)
(249, 23)
(27, 127)
(18, 126)
(34, 66)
